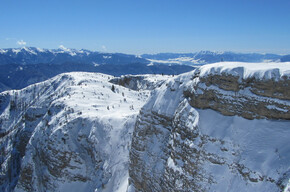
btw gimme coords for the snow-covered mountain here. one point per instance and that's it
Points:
(20, 67)
(221, 127)
(206, 57)
(69, 133)
(32, 55)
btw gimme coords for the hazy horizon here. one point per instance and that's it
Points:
(153, 53)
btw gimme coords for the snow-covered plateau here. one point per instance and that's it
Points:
(221, 127)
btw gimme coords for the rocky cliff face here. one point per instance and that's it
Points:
(250, 98)
(223, 127)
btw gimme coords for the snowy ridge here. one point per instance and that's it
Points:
(243, 70)
(69, 133)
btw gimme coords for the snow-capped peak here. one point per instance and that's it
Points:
(3, 51)
(63, 48)
(29, 50)
(16, 51)
(40, 49)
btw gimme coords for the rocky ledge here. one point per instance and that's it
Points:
(252, 97)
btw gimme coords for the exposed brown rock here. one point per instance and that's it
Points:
(227, 95)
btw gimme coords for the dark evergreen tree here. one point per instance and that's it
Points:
(113, 88)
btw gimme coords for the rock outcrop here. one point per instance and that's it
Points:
(140, 82)
(251, 98)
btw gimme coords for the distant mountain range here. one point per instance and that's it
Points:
(20, 67)
(285, 58)
(206, 57)
(32, 55)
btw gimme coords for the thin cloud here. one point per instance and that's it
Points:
(104, 48)
(21, 42)
(9, 38)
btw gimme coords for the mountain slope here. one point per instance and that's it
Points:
(69, 133)
(222, 127)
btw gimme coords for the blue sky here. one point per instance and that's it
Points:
(147, 26)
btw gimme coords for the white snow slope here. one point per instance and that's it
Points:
(77, 130)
